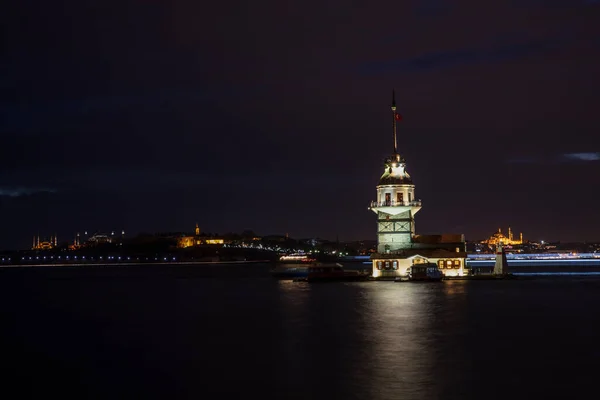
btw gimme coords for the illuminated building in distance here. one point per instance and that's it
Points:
(96, 239)
(398, 246)
(498, 238)
(44, 244)
(76, 242)
(197, 239)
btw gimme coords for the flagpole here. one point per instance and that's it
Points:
(394, 120)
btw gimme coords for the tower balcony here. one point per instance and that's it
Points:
(395, 207)
(414, 203)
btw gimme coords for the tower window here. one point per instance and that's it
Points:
(400, 197)
(388, 199)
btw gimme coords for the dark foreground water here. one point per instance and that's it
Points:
(233, 332)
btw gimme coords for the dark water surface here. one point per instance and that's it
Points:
(231, 331)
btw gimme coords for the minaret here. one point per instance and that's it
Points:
(510, 235)
(501, 266)
(33, 247)
(197, 230)
(521, 237)
(395, 205)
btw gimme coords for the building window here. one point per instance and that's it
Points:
(378, 265)
(395, 265)
(441, 264)
(387, 265)
(456, 263)
(388, 199)
(400, 197)
(448, 263)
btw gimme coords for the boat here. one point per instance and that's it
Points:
(297, 259)
(423, 273)
(331, 273)
(292, 266)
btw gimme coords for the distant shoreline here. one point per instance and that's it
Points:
(127, 264)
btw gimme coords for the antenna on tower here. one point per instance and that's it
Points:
(394, 120)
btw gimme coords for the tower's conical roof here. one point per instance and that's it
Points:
(395, 172)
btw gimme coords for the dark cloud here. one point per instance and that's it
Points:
(583, 156)
(23, 191)
(454, 58)
(554, 4)
(562, 158)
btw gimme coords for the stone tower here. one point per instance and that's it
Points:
(395, 204)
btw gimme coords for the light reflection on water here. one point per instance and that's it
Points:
(292, 303)
(215, 332)
(399, 318)
(377, 340)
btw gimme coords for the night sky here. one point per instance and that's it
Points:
(274, 116)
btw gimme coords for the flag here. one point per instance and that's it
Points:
(398, 117)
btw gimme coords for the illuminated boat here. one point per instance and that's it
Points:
(424, 273)
(297, 259)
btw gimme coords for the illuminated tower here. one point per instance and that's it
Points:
(395, 205)
(197, 230)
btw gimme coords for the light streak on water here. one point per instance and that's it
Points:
(556, 273)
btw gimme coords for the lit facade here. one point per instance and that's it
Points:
(44, 244)
(450, 263)
(197, 240)
(500, 238)
(100, 238)
(76, 242)
(96, 239)
(398, 245)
